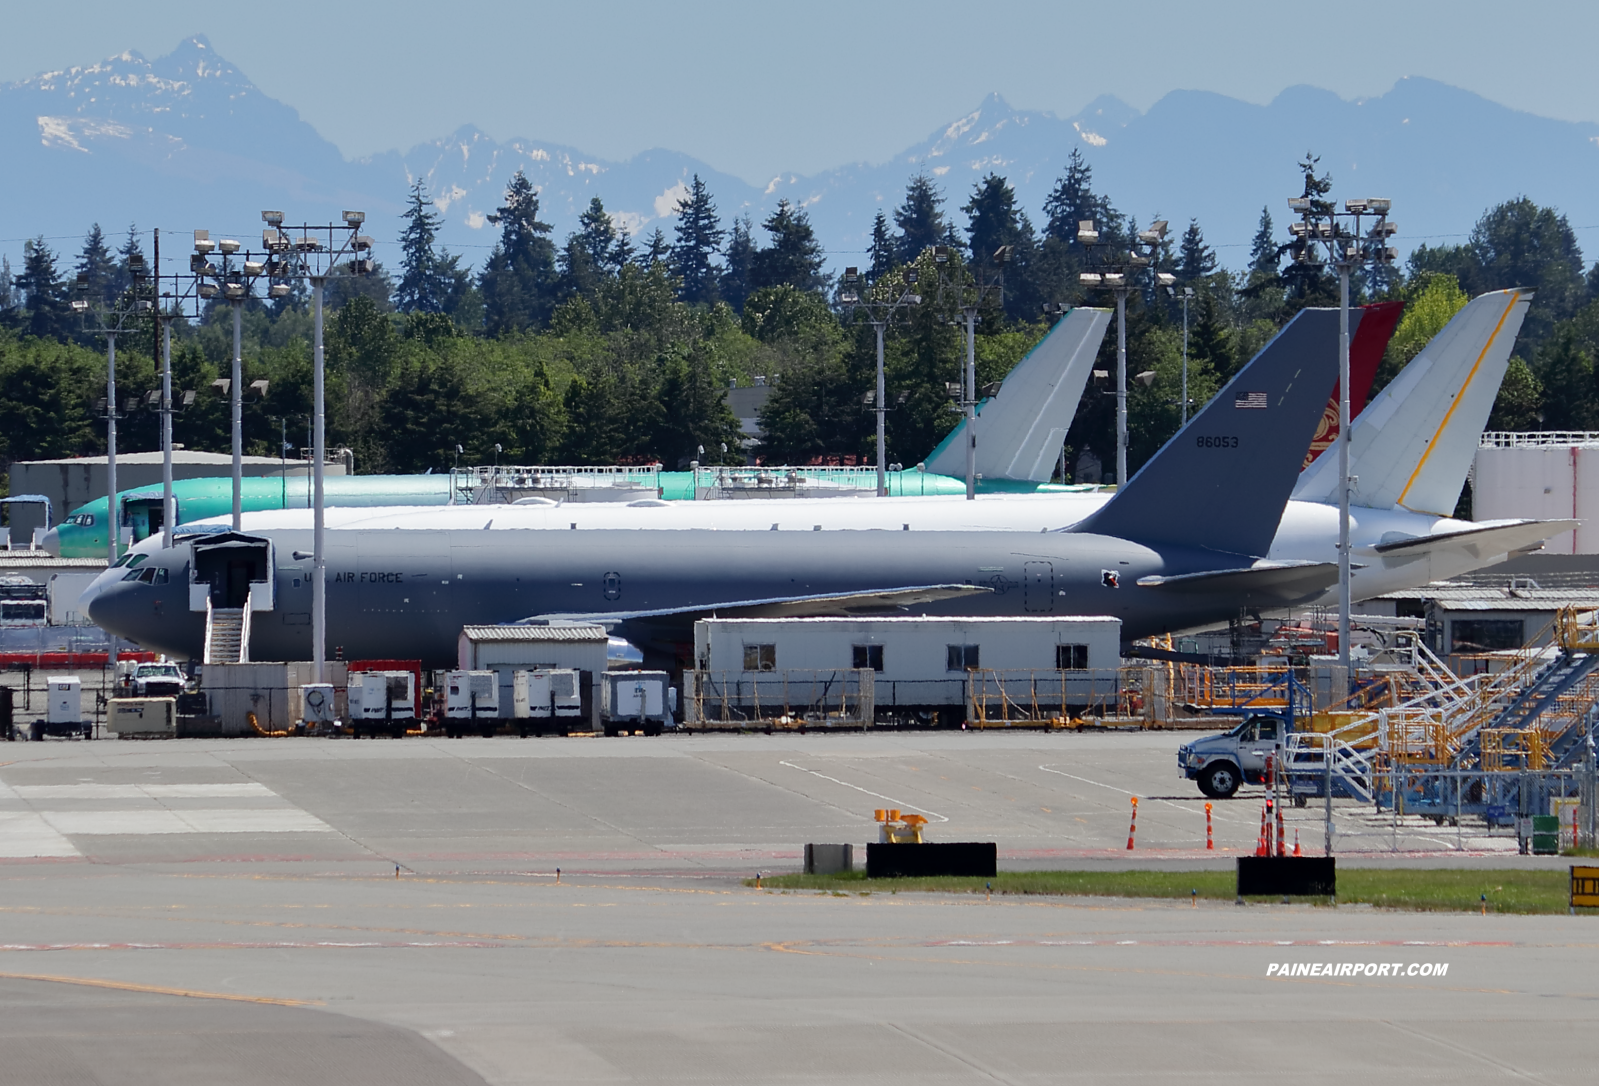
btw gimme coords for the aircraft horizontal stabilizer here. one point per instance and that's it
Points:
(1480, 542)
(832, 603)
(1271, 584)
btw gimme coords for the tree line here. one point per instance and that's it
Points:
(609, 348)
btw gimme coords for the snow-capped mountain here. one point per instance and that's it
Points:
(187, 141)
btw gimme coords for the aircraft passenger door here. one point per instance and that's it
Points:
(1038, 587)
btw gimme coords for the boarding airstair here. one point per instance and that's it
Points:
(1528, 713)
(227, 634)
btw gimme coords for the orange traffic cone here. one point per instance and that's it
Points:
(1296, 844)
(1132, 827)
(1282, 838)
(1210, 840)
(1260, 842)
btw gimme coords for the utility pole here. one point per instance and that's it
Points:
(966, 388)
(883, 301)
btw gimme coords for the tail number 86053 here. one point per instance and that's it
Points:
(1216, 441)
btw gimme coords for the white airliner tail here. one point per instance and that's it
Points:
(1413, 444)
(1020, 430)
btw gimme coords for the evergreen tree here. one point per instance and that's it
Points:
(606, 247)
(518, 281)
(1072, 201)
(699, 238)
(97, 269)
(1307, 281)
(426, 411)
(45, 306)
(1519, 405)
(594, 252)
(421, 288)
(1196, 259)
(6, 299)
(123, 278)
(920, 219)
(1263, 250)
(699, 416)
(1566, 372)
(992, 221)
(536, 420)
(655, 251)
(737, 277)
(882, 249)
(794, 258)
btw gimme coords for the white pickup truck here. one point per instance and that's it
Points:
(1221, 763)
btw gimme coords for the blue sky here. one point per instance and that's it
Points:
(757, 88)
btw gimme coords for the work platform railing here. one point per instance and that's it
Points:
(791, 699)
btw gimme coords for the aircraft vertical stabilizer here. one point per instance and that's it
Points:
(1223, 481)
(1414, 443)
(1020, 430)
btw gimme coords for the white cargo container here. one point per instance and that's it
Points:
(548, 696)
(382, 700)
(471, 702)
(142, 716)
(638, 699)
(923, 667)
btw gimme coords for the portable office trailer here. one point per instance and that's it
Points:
(923, 666)
(505, 650)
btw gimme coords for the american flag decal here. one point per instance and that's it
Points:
(1250, 399)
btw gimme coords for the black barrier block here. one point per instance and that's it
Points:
(1294, 876)
(976, 859)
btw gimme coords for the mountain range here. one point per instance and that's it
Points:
(187, 141)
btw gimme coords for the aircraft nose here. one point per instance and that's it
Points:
(52, 542)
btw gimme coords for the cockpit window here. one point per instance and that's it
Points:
(82, 520)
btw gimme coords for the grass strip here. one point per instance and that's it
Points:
(1421, 889)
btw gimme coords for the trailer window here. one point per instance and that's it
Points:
(1071, 657)
(760, 657)
(961, 658)
(864, 656)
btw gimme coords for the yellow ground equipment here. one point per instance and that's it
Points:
(897, 829)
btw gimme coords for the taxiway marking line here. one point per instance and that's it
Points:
(876, 795)
(155, 989)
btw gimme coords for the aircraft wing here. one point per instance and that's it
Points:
(831, 603)
(1481, 543)
(1266, 583)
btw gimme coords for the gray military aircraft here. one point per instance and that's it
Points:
(1180, 545)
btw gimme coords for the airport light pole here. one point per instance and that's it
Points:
(966, 398)
(1115, 273)
(111, 320)
(234, 283)
(1347, 244)
(315, 254)
(1186, 296)
(168, 306)
(883, 301)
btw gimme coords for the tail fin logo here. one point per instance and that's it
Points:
(1250, 400)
